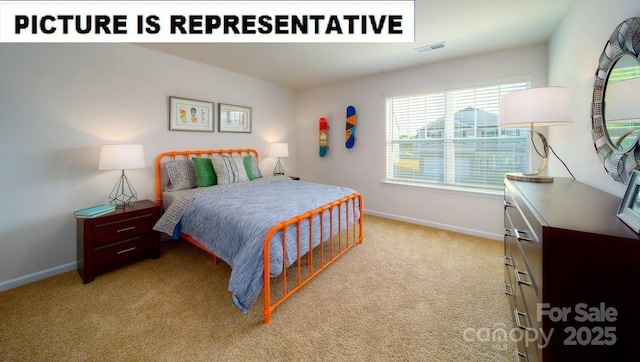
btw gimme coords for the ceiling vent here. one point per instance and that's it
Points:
(430, 47)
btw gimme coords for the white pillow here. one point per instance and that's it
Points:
(229, 169)
(182, 175)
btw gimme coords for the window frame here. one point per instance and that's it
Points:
(516, 138)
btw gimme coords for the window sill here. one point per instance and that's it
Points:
(492, 194)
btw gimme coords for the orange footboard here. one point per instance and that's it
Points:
(331, 247)
(338, 240)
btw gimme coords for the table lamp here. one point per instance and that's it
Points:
(122, 157)
(279, 150)
(546, 106)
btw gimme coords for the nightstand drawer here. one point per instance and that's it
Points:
(124, 250)
(122, 229)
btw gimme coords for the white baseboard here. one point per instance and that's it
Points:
(34, 277)
(13, 283)
(457, 229)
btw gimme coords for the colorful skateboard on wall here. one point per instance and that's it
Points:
(351, 127)
(324, 136)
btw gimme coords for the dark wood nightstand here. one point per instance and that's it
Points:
(109, 241)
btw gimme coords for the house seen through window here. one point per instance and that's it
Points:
(453, 138)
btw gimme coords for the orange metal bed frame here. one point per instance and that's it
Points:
(306, 267)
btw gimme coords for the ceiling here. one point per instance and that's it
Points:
(466, 26)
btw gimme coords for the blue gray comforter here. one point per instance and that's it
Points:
(233, 224)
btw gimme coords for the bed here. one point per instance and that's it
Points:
(275, 233)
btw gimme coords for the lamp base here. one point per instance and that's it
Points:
(536, 175)
(528, 177)
(279, 169)
(123, 193)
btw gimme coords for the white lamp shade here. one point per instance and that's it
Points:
(121, 157)
(279, 150)
(546, 106)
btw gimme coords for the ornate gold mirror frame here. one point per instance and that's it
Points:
(619, 162)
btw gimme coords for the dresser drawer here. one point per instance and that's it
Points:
(525, 231)
(525, 274)
(518, 255)
(527, 351)
(123, 250)
(508, 264)
(525, 320)
(522, 220)
(122, 229)
(508, 287)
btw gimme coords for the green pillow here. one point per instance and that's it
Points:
(204, 172)
(246, 160)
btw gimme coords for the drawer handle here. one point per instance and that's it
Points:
(126, 229)
(517, 314)
(507, 204)
(508, 232)
(520, 281)
(127, 250)
(507, 260)
(520, 356)
(519, 235)
(508, 289)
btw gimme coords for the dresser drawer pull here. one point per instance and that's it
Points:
(521, 281)
(519, 236)
(126, 229)
(507, 204)
(126, 250)
(508, 289)
(508, 232)
(519, 356)
(517, 314)
(507, 260)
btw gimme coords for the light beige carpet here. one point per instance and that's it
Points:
(408, 293)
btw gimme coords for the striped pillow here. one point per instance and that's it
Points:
(229, 169)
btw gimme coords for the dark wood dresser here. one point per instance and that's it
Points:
(572, 272)
(117, 238)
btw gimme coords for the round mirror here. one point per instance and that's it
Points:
(622, 106)
(615, 120)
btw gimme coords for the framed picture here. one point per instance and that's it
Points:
(190, 115)
(234, 118)
(629, 211)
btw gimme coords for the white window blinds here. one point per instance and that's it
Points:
(453, 138)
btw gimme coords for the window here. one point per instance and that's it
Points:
(620, 119)
(453, 138)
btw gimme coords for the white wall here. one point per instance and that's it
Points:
(363, 167)
(61, 102)
(574, 51)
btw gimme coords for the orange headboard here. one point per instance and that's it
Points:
(172, 155)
